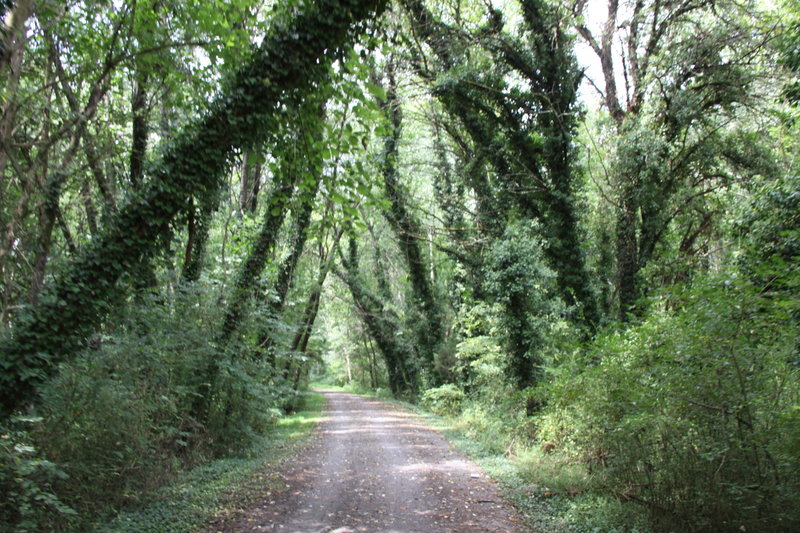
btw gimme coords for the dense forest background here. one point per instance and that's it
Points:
(573, 226)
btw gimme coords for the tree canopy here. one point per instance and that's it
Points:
(571, 225)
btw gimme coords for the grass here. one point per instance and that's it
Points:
(203, 492)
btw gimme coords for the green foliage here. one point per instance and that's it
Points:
(492, 409)
(788, 44)
(684, 418)
(770, 231)
(117, 419)
(692, 414)
(199, 494)
(521, 283)
(193, 164)
(445, 400)
(26, 481)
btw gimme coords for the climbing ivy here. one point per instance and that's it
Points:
(190, 166)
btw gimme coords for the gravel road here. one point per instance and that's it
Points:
(373, 467)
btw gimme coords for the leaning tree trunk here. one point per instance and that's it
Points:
(198, 228)
(308, 162)
(382, 325)
(251, 182)
(243, 289)
(276, 301)
(192, 165)
(297, 172)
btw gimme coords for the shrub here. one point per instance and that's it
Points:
(118, 417)
(26, 482)
(693, 414)
(445, 400)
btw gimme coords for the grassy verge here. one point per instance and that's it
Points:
(203, 492)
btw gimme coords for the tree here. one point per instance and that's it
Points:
(524, 134)
(687, 70)
(430, 334)
(191, 166)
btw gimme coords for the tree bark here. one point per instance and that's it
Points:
(13, 39)
(382, 325)
(198, 228)
(539, 177)
(139, 128)
(251, 183)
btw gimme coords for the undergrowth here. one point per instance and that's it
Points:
(198, 495)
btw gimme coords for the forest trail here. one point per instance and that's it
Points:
(373, 467)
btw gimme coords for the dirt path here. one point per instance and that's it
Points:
(375, 468)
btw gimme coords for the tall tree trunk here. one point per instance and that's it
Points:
(145, 279)
(47, 220)
(13, 39)
(243, 290)
(192, 165)
(12, 55)
(382, 324)
(251, 182)
(627, 254)
(12, 51)
(198, 228)
(309, 163)
(88, 207)
(538, 180)
(139, 127)
(276, 299)
(104, 184)
(407, 230)
(309, 316)
(51, 187)
(254, 265)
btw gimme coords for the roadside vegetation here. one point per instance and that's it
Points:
(573, 232)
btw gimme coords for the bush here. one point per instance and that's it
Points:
(525, 292)
(693, 415)
(118, 418)
(445, 400)
(26, 482)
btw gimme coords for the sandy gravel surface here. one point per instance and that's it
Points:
(372, 467)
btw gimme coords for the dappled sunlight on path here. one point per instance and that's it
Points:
(376, 468)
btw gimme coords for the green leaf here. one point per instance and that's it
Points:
(376, 91)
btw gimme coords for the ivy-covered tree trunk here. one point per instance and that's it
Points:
(382, 325)
(301, 170)
(243, 290)
(305, 327)
(406, 227)
(246, 279)
(309, 163)
(139, 127)
(534, 169)
(293, 56)
(627, 255)
(276, 297)
(251, 182)
(198, 228)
